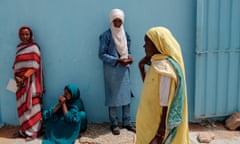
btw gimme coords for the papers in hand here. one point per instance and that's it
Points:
(12, 86)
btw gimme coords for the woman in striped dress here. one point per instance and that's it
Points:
(28, 74)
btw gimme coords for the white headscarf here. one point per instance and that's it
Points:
(118, 34)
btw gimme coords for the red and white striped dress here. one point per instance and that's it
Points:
(29, 96)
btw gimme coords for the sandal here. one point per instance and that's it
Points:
(115, 130)
(17, 135)
(30, 138)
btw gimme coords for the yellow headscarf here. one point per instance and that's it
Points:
(166, 44)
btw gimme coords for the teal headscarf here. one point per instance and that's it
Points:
(73, 122)
(75, 94)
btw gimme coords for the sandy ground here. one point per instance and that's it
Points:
(217, 129)
(95, 134)
(100, 134)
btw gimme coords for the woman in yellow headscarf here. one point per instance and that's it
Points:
(162, 116)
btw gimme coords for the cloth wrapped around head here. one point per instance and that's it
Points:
(166, 44)
(75, 94)
(116, 13)
(74, 91)
(26, 27)
(118, 33)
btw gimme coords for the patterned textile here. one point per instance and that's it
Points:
(29, 96)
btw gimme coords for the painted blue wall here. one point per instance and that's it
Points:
(67, 32)
(217, 87)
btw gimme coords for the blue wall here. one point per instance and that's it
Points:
(67, 32)
(217, 87)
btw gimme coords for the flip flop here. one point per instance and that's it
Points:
(17, 135)
(30, 138)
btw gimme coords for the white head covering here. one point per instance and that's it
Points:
(118, 34)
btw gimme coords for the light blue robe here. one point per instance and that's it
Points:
(116, 76)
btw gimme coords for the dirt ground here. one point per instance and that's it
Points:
(99, 133)
(215, 129)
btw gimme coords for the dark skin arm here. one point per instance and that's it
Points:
(56, 108)
(61, 104)
(158, 139)
(150, 50)
(141, 66)
(62, 101)
(19, 81)
(64, 109)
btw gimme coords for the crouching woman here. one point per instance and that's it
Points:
(65, 120)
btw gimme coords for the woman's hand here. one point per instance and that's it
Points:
(62, 100)
(159, 137)
(141, 67)
(20, 81)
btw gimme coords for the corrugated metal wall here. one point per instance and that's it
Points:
(217, 88)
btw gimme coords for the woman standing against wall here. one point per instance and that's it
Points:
(28, 74)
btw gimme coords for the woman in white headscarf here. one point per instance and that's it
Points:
(114, 51)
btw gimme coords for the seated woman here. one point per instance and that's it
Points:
(65, 120)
